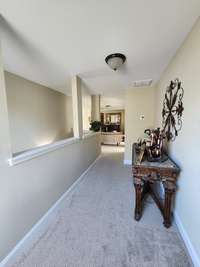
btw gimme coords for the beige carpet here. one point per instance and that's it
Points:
(95, 226)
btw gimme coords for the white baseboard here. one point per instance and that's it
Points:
(191, 250)
(127, 162)
(45, 217)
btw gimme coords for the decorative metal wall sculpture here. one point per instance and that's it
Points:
(173, 110)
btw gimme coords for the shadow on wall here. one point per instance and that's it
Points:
(34, 56)
(44, 143)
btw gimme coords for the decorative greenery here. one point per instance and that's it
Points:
(95, 126)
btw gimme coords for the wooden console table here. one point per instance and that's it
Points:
(145, 175)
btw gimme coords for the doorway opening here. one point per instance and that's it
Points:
(112, 130)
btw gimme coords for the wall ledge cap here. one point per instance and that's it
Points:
(90, 134)
(36, 152)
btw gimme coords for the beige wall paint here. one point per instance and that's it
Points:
(5, 144)
(86, 108)
(37, 114)
(29, 189)
(77, 107)
(185, 150)
(69, 116)
(95, 113)
(138, 101)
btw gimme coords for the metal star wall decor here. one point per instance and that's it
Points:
(172, 110)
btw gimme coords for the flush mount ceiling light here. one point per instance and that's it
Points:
(114, 61)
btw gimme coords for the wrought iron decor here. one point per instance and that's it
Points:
(173, 110)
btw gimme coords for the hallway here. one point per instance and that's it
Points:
(94, 226)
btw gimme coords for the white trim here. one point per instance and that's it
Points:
(36, 152)
(15, 250)
(191, 250)
(89, 134)
(127, 162)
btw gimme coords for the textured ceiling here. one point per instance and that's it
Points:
(50, 41)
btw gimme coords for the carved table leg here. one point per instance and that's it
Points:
(170, 189)
(138, 198)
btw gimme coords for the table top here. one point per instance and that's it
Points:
(168, 164)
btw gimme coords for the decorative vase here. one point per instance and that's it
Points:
(154, 146)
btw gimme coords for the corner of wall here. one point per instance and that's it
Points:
(5, 141)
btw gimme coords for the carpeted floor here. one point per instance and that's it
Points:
(94, 227)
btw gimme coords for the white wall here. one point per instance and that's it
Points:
(37, 114)
(185, 149)
(138, 101)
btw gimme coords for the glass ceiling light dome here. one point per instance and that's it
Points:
(114, 61)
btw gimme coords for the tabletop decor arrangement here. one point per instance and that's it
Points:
(152, 167)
